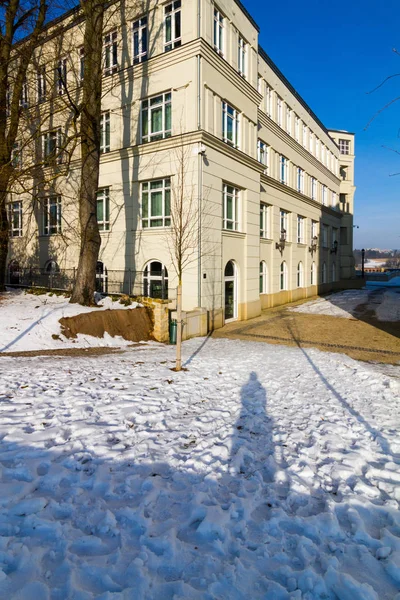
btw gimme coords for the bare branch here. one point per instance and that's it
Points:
(380, 111)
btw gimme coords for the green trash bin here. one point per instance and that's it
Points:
(173, 328)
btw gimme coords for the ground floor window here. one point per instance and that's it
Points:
(283, 276)
(230, 283)
(313, 274)
(155, 280)
(323, 273)
(333, 272)
(300, 275)
(14, 272)
(101, 278)
(263, 277)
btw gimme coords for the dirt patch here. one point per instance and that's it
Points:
(74, 352)
(134, 325)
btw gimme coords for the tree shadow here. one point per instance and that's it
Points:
(225, 520)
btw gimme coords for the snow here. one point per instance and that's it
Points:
(344, 304)
(394, 282)
(28, 322)
(261, 472)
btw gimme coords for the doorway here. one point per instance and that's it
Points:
(230, 286)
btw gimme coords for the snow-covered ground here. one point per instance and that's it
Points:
(262, 472)
(343, 304)
(28, 322)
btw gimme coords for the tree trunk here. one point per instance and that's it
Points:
(178, 366)
(85, 284)
(4, 237)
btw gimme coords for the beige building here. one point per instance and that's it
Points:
(192, 102)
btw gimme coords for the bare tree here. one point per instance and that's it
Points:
(17, 18)
(183, 237)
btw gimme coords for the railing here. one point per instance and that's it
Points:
(108, 281)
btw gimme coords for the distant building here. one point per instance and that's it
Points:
(276, 187)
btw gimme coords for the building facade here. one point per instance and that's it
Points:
(191, 103)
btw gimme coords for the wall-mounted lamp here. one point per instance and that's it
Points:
(282, 241)
(313, 246)
(334, 247)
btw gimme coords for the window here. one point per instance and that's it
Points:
(41, 85)
(313, 274)
(242, 50)
(15, 218)
(16, 156)
(283, 222)
(296, 128)
(155, 280)
(172, 26)
(344, 146)
(323, 273)
(324, 195)
(305, 132)
(335, 235)
(230, 125)
(52, 215)
(317, 148)
(263, 277)
(231, 207)
(333, 272)
(264, 220)
(52, 147)
(139, 29)
(218, 32)
(268, 101)
(105, 132)
(101, 278)
(300, 180)
(262, 153)
(325, 236)
(24, 100)
(260, 85)
(111, 53)
(311, 142)
(334, 201)
(300, 275)
(279, 111)
(283, 276)
(343, 235)
(81, 63)
(103, 209)
(156, 117)
(313, 188)
(156, 203)
(61, 77)
(289, 120)
(343, 172)
(51, 267)
(283, 170)
(314, 230)
(300, 229)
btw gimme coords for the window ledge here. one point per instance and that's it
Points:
(236, 234)
(265, 240)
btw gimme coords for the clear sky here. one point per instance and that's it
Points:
(334, 53)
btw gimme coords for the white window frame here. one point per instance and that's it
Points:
(305, 131)
(334, 201)
(172, 12)
(313, 188)
(297, 128)
(283, 276)
(53, 140)
(314, 229)
(288, 120)
(284, 223)
(324, 195)
(263, 288)
(324, 273)
(16, 155)
(105, 132)
(325, 236)
(300, 229)
(103, 197)
(81, 64)
(263, 153)
(24, 100)
(41, 85)
(279, 107)
(15, 212)
(283, 169)
(110, 52)
(313, 274)
(140, 40)
(231, 223)
(268, 101)
(61, 76)
(242, 56)
(311, 142)
(151, 104)
(300, 275)
(300, 180)
(264, 221)
(147, 189)
(230, 113)
(50, 228)
(344, 146)
(218, 32)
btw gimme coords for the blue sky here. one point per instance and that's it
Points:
(333, 54)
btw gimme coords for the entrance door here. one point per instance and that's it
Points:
(230, 291)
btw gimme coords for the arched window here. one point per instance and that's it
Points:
(323, 273)
(263, 277)
(230, 281)
(333, 271)
(101, 278)
(313, 274)
(51, 267)
(155, 280)
(300, 275)
(14, 272)
(283, 276)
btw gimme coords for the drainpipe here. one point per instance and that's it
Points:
(200, 162)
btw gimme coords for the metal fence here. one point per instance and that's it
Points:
(132, 283)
